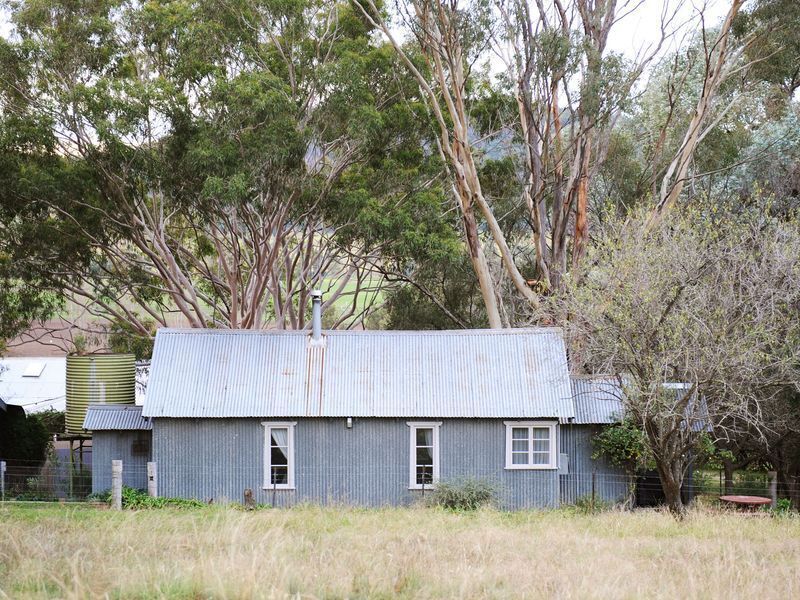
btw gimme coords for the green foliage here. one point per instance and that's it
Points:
(223, 120)
(134, 499)
(775, 47)
(124, 339)
(23, 438)
(708, 454)
(623, 445)
(784, 507)
(586, 506)
(462, 494)
(444, 295)
(53, 420)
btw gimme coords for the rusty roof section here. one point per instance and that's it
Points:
(510, 373)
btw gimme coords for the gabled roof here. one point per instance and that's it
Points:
(510, 373)
(115, 417)
(598, 400)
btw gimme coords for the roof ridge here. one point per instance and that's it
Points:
(337, 332)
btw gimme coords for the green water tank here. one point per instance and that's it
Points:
(97, 379)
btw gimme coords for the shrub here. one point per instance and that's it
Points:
(462, 494)
(138, 499)
(24, 440)
(784, 507)
(584, 505)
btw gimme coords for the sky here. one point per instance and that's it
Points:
(642, 27)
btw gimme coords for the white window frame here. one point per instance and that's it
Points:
(412, 453)
(551, 426)
(268, 427)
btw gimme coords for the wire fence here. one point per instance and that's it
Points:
(63, 481)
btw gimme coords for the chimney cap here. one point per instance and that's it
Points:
(316, 293)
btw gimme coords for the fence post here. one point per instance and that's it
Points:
(116, 484)
(773, 487)
(152, 480)
(594, 488)
(2, 481)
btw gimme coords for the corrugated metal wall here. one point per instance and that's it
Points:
(118, 445)
(366, 465)
(611, 482)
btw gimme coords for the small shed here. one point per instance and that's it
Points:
(119, 432)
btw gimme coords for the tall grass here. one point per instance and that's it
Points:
(76, 552)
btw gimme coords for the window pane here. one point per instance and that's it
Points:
(424, 456)
(519, 458)
(541, 433)
(280, 436)
(541, 458)
(425, 437)
(424, 474)
(519, 433)
(541, 445)
(519, 445)
(278, 456)
(279, 474)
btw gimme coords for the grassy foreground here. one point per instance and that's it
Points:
(309, 552)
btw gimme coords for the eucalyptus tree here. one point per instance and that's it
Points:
(569, 91)
(223, 147)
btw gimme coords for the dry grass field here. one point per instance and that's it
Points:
(311, 552)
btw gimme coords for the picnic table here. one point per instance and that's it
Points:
(747, 502)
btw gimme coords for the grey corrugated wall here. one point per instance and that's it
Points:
(117, 445)
(611, 482)
(367, 465)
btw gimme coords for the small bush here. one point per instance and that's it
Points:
(585, 505)
(138, 499)
(784, 507)
(462, 494)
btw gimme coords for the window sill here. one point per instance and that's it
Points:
(278, 488)
(531, 468)
(419, 488)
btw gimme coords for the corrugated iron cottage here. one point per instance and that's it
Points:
(364, 417)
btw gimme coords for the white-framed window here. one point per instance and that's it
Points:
(531, 445)
(423, 454)
(279, 455)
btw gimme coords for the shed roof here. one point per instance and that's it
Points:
(511, 373)
(34, 383)
(598, 400)
(115, 417)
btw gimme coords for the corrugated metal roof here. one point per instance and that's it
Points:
(511, 373)
(597, 400)
(108, 417)
(35, 384)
